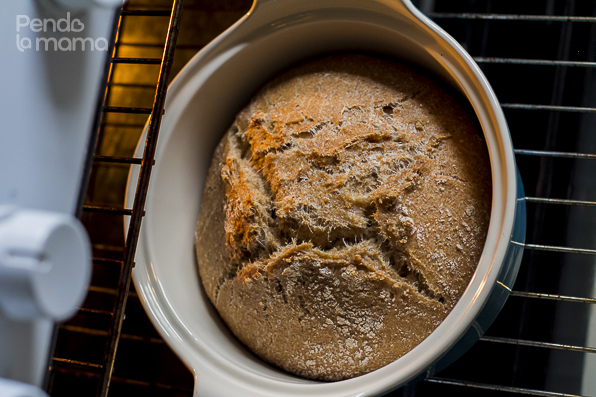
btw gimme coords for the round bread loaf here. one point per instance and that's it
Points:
(343, 216)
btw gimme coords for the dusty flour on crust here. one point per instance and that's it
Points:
(343, 216)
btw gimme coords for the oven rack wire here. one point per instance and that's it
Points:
(521, 295)
(116, 315)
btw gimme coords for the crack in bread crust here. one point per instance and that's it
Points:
(382, 195)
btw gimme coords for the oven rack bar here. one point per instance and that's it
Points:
(116, 379)
(546, 153)
(107, 261)
(137, 61)
(104, 290)
(507, 389)
(554, 248)
(99, 332)
(150, 45)
(560, 201)
(76, 364)
(526, 106)
(531, 343)
(108, 210)
(563, 298)
(125, 109)
(511, 17)
(114, 331)
(130, 85)
(119, 160)
(107, 247)
(544, 62)
(94, 311)
(132, 126)
(150, 384)
(147, 13)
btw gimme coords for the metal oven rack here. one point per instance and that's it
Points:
(540, 57)
(104, 322)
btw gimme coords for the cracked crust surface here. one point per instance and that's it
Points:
(343, 216)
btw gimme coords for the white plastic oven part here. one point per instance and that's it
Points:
(47, 107)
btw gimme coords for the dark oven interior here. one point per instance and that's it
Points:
(539, 56)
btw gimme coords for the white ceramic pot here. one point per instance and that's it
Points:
(201, 104)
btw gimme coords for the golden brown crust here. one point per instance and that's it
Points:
(343, 216)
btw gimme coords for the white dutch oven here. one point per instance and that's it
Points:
(201, 104)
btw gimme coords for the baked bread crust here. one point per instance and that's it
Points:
(343, 216)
